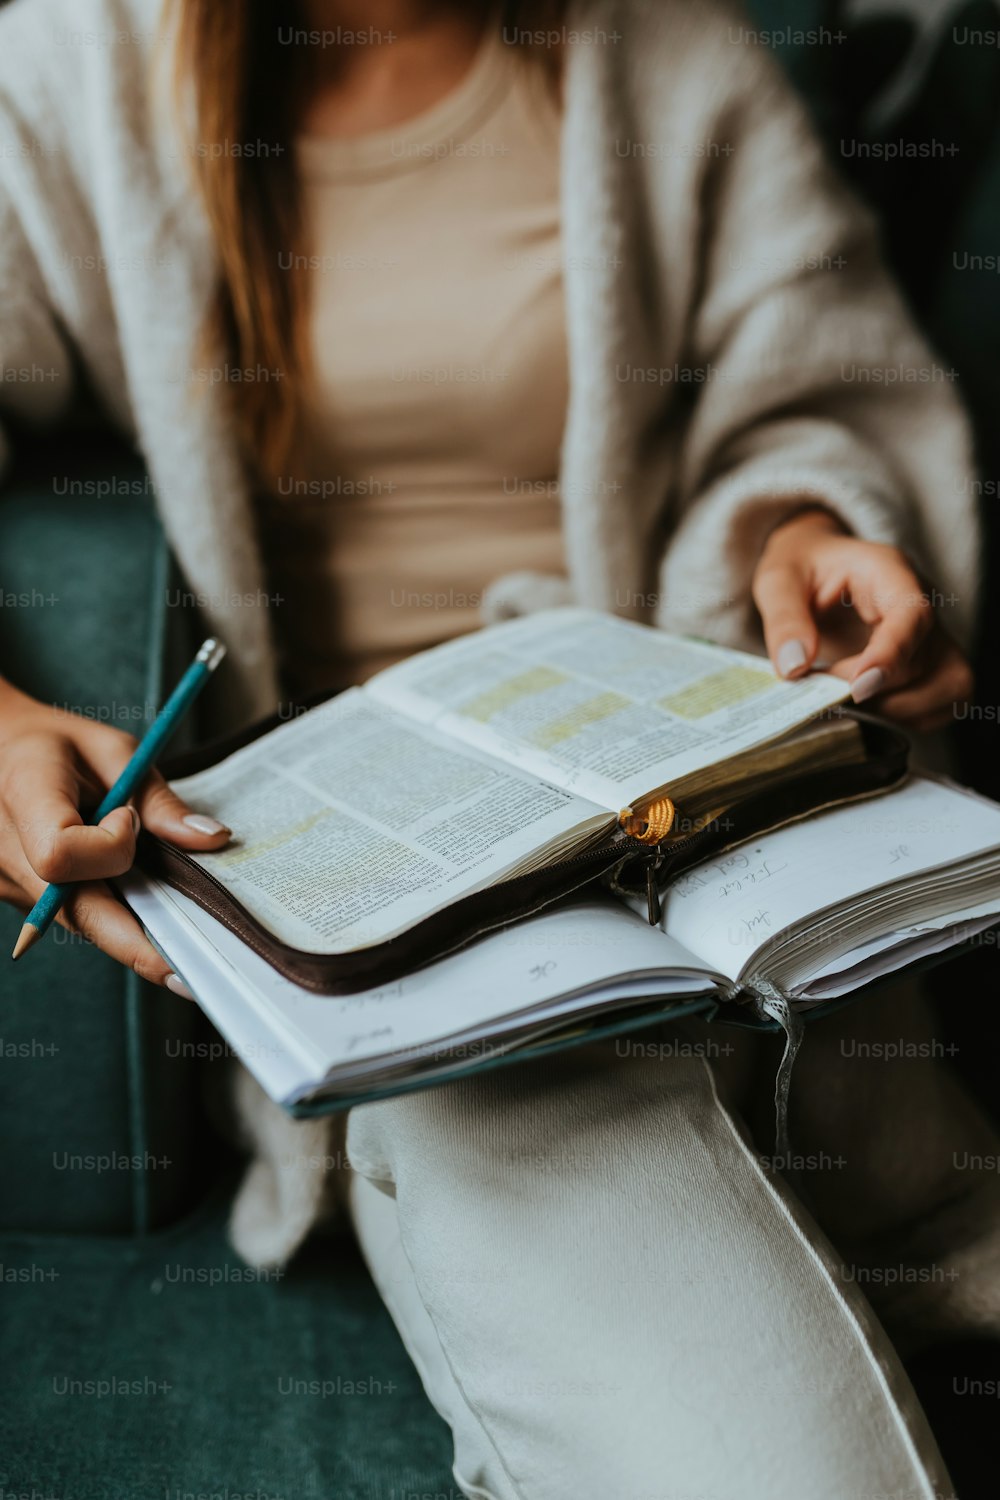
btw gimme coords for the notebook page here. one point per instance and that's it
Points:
(893, 950)
(350, 823)
(277, 1062)
(603, 706)
(531, 966)
(727, 908)
(291, 1037)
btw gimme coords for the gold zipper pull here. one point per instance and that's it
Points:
(651, 824)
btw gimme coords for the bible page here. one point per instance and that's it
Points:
(606, 708)
(351, 823)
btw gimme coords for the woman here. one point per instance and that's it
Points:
(560, 304)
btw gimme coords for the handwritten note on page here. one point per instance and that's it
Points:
(726, 908)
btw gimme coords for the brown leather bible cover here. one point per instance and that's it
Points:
(622, 862)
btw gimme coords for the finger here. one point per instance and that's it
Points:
(93, 913)
(890, 658)
(935, 695)
(42, 795)
(160, 809)
(166, 814)
(780, 592)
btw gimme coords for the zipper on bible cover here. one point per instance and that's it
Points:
(638, 856)
(650, 826)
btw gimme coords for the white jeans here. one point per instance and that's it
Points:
(608, 1297)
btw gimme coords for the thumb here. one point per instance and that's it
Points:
(165, 814)
(160, 809)
(782, 599)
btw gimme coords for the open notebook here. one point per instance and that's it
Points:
(806, 913)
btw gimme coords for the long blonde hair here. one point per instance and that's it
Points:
(243, 85)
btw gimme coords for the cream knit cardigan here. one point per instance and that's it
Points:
(733, 345)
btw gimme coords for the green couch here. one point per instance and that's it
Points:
(140, 1358)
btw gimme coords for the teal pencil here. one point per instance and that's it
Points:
(46, 908)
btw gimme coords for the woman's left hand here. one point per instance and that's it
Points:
(860, 608)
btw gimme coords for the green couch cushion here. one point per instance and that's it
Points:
(98, 1081)
(225, 1383)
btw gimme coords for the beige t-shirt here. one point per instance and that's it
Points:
(430, 441)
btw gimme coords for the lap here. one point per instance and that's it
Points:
(608, 1296)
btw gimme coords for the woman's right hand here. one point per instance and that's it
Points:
(52, 765)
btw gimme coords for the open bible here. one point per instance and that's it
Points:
(477, 782)
(807, 914)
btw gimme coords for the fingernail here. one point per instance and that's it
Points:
(791, 656)
(867, 685)
(136, 820)
(201, 824)
(176, 985)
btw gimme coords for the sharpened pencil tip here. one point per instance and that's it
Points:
(26, 938)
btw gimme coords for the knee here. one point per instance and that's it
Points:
(584, 1116)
